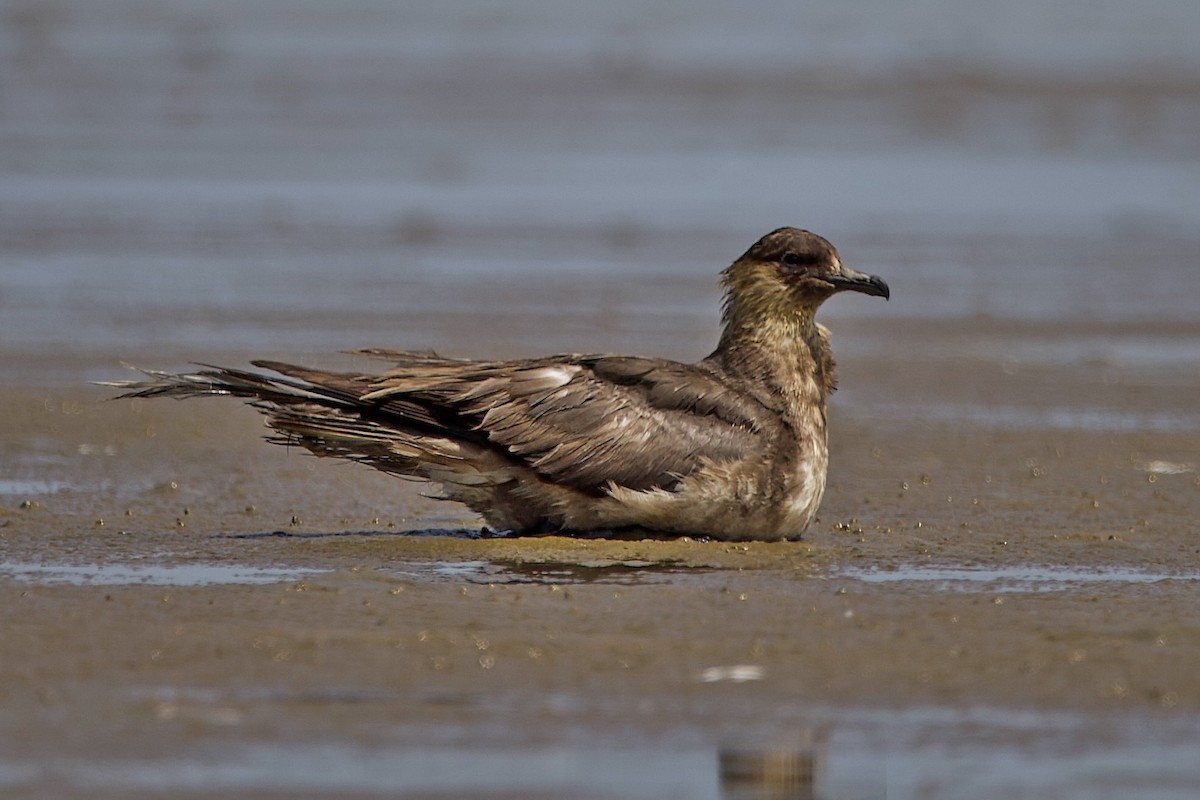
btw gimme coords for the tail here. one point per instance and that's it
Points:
(326, 413)
(212, 380)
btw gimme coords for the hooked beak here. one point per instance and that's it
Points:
(855, 281)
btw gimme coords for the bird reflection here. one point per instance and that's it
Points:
(791, 771)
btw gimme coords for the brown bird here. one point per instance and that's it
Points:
(731, 447)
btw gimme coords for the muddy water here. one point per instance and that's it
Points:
(999, 598)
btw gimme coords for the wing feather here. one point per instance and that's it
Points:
(589, 421)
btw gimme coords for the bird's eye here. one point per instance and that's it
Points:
(791, 259)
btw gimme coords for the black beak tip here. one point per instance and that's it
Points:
(862, 283)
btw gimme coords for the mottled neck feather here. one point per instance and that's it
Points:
(765, 317)
(769, 336)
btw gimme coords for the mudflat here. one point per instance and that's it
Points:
(173, 585)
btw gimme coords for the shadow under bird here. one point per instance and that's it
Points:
(732, 447)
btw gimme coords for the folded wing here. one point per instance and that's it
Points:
(580, 421)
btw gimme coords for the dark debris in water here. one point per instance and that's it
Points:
(619, 534)
(617, 572)
(455, 533)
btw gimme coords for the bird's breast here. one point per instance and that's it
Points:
(803, 461)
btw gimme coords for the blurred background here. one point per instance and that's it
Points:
(184, 179)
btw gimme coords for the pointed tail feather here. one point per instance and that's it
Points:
(214, 380)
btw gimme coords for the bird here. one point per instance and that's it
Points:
(733, 447)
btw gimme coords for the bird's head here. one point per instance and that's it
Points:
(787, 274)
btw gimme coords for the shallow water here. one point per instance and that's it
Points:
(870, 755)
(150, 574)
(555, 573)
(201, 178)
(1022, 578)
(17, 486)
